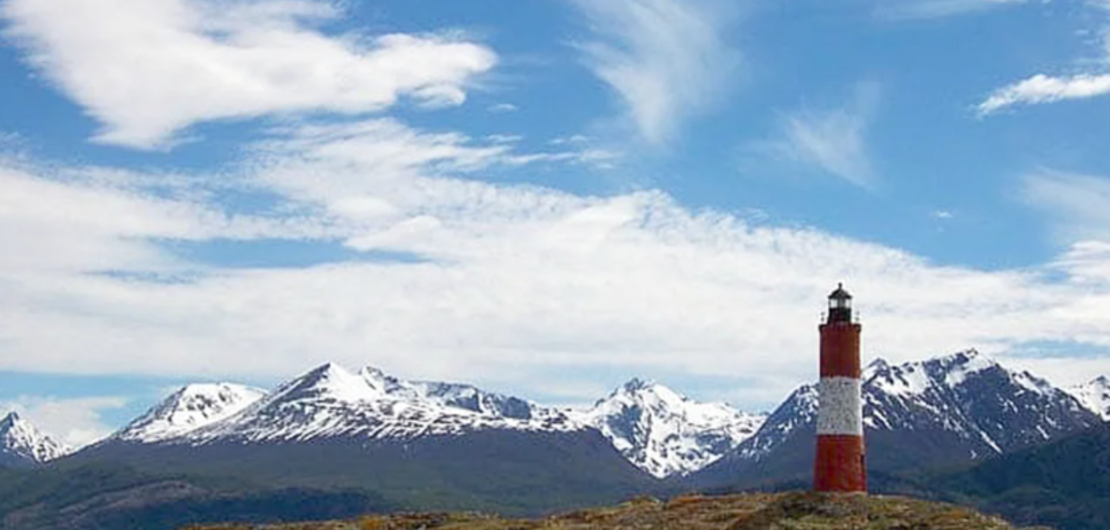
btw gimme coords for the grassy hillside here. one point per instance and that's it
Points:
(784, 511)
(507, 472)
(113, 497)
(161, 488)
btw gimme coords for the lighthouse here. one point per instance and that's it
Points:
(839, 465)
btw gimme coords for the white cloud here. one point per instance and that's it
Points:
(834, 140)
(927, 9)
(502, 108)
(147, 70)
(1043, 89)
(75, 422)
(514, 282)
(572, 139)
(666, 59)
(504, 138)
(75, 221)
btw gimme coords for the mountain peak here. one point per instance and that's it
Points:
(1094, 396)
(951, 370)
(328, 370)
(10, 420)
(637, 384)
(970, 356)
(330, 381)
(876, 366)
(666, 433)
(22, 443)
(960, 365)
(970, 353)
(878, 363)
(190, 408)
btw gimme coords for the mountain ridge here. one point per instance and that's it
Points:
(677, 435)
(448, 446)
(952, 409)
(659, 430)
(330, 401)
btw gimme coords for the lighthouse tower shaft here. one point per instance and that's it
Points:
(840, 463)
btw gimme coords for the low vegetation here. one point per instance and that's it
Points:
(783, 511)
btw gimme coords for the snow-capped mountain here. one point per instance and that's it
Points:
(665, 433)
(331, 402)
(1094, 395)
(21, 444)
(990, 408)
(190, 408)
(960, 407)
(367, 430)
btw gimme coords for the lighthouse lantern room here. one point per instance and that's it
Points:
(840, 305)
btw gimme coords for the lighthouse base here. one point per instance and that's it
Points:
(839, 466)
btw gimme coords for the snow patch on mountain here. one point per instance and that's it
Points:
(948, 372)
(985, 407)
(455, 395)
(190, 408)
(332, 402)
(1095, 395)
(972, 395)
(665, 433)
(916, 378)
(22, 442)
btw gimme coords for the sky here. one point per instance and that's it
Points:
(542, 198)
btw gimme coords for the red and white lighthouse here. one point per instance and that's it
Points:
(840, 466)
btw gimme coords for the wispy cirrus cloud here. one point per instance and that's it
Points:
(666, 60)
(1078, 204)
(1042, 88)
(149, 71)
(833, 140)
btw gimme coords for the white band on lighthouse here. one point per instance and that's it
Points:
(841, 410)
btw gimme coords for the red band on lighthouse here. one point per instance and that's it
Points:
(840, 340)
(840, 465)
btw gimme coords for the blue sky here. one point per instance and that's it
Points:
(545, 198)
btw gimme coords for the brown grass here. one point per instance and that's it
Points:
(786, 511)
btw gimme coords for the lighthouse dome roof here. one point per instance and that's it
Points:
(840, 293)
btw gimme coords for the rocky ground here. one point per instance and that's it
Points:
(785, 511)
